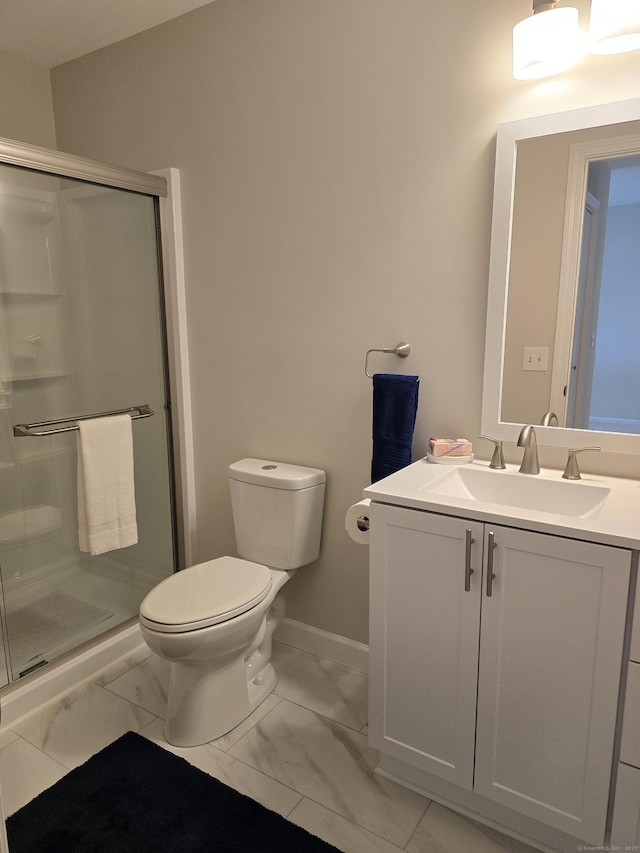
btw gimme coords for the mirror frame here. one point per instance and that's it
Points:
(508, 136)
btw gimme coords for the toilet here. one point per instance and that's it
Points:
(214, 621)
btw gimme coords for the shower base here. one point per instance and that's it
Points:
(58, 609)
(22, 697)
(40, 630)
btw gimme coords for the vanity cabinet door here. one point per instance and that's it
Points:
(550, 657)
(424, 639)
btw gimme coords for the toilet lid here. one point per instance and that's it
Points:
(205, 594)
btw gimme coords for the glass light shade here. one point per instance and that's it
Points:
(614, 26)
(546, 43)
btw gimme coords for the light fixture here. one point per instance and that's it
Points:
(614, 26)
(547, 42)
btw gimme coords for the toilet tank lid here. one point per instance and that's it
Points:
(275, 475)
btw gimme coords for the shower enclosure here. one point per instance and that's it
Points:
(82, 333)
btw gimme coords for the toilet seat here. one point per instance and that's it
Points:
(205, 594)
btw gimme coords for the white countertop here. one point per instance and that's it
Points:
(616, 522)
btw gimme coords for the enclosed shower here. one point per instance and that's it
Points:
(82, 335)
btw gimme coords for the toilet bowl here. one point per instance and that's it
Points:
(214, 621)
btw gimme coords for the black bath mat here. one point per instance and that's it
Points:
(135, 797)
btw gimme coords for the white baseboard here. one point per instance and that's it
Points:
(325, 645)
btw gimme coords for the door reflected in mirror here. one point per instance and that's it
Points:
(604, 376)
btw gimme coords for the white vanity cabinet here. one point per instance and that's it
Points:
(495, 658)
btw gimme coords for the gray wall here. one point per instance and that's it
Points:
(337, 166)
(26, 110)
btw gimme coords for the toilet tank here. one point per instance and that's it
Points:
(277, 512)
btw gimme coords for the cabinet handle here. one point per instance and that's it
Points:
(468, 571)
(490, 575)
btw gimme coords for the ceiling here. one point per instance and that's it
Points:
(50, 32)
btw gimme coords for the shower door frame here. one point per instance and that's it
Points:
(177, 342)
(164, 186)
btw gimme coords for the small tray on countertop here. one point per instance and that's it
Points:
(450, 460)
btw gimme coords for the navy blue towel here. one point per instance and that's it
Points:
(395, 403)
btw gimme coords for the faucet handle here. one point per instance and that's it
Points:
(497, 460)
(571, 471)
(549, 419)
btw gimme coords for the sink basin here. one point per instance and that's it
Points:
(560, 497)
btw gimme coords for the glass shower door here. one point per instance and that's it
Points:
(81, 333)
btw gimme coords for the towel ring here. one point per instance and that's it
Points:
(402, 349)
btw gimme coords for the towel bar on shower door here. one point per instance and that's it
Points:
(33, 429)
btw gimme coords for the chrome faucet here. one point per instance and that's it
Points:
(549, 419)
(528, 440)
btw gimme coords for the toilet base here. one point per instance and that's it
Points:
(193, 722)
(206, 703)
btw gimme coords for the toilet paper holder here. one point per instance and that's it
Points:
(402, 349)
(357, 521)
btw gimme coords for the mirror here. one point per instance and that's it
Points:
(564, 295)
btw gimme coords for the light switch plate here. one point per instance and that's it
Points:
(535, 358)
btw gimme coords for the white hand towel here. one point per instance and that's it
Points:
(106, 489)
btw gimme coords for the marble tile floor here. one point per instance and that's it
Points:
(303, 753)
